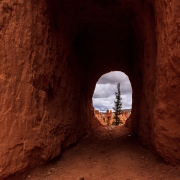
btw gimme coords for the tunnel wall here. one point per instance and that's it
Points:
(142, 120)
(158, 126)
(49, 70)
(40, 91)
(166, 124)
(156, 122)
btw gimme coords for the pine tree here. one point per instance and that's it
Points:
(118, 106)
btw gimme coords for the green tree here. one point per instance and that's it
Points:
(117, 106)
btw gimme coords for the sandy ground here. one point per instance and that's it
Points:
(110, 153)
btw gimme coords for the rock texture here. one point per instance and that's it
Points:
(166, 134)
(53, 52)
(39, 88)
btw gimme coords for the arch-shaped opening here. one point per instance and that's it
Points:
(104, 97)
(69, 45)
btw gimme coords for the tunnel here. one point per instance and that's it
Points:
(53, 52)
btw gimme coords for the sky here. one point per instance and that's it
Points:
(104, 93)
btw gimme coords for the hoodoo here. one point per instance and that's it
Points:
(53, 52)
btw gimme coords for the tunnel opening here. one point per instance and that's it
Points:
(104, 98)
(53, 52)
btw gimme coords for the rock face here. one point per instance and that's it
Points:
(53, 52)
(107, 117)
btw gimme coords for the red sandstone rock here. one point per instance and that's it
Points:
(51, 56)
(128, 123)
(108, 117)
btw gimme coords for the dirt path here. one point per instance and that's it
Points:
(109, 154)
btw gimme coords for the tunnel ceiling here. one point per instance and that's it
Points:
(100, 32)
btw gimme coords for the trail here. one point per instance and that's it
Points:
(110, 153)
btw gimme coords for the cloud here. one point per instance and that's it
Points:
(104, 94)
(113, 77)
(104, 90)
